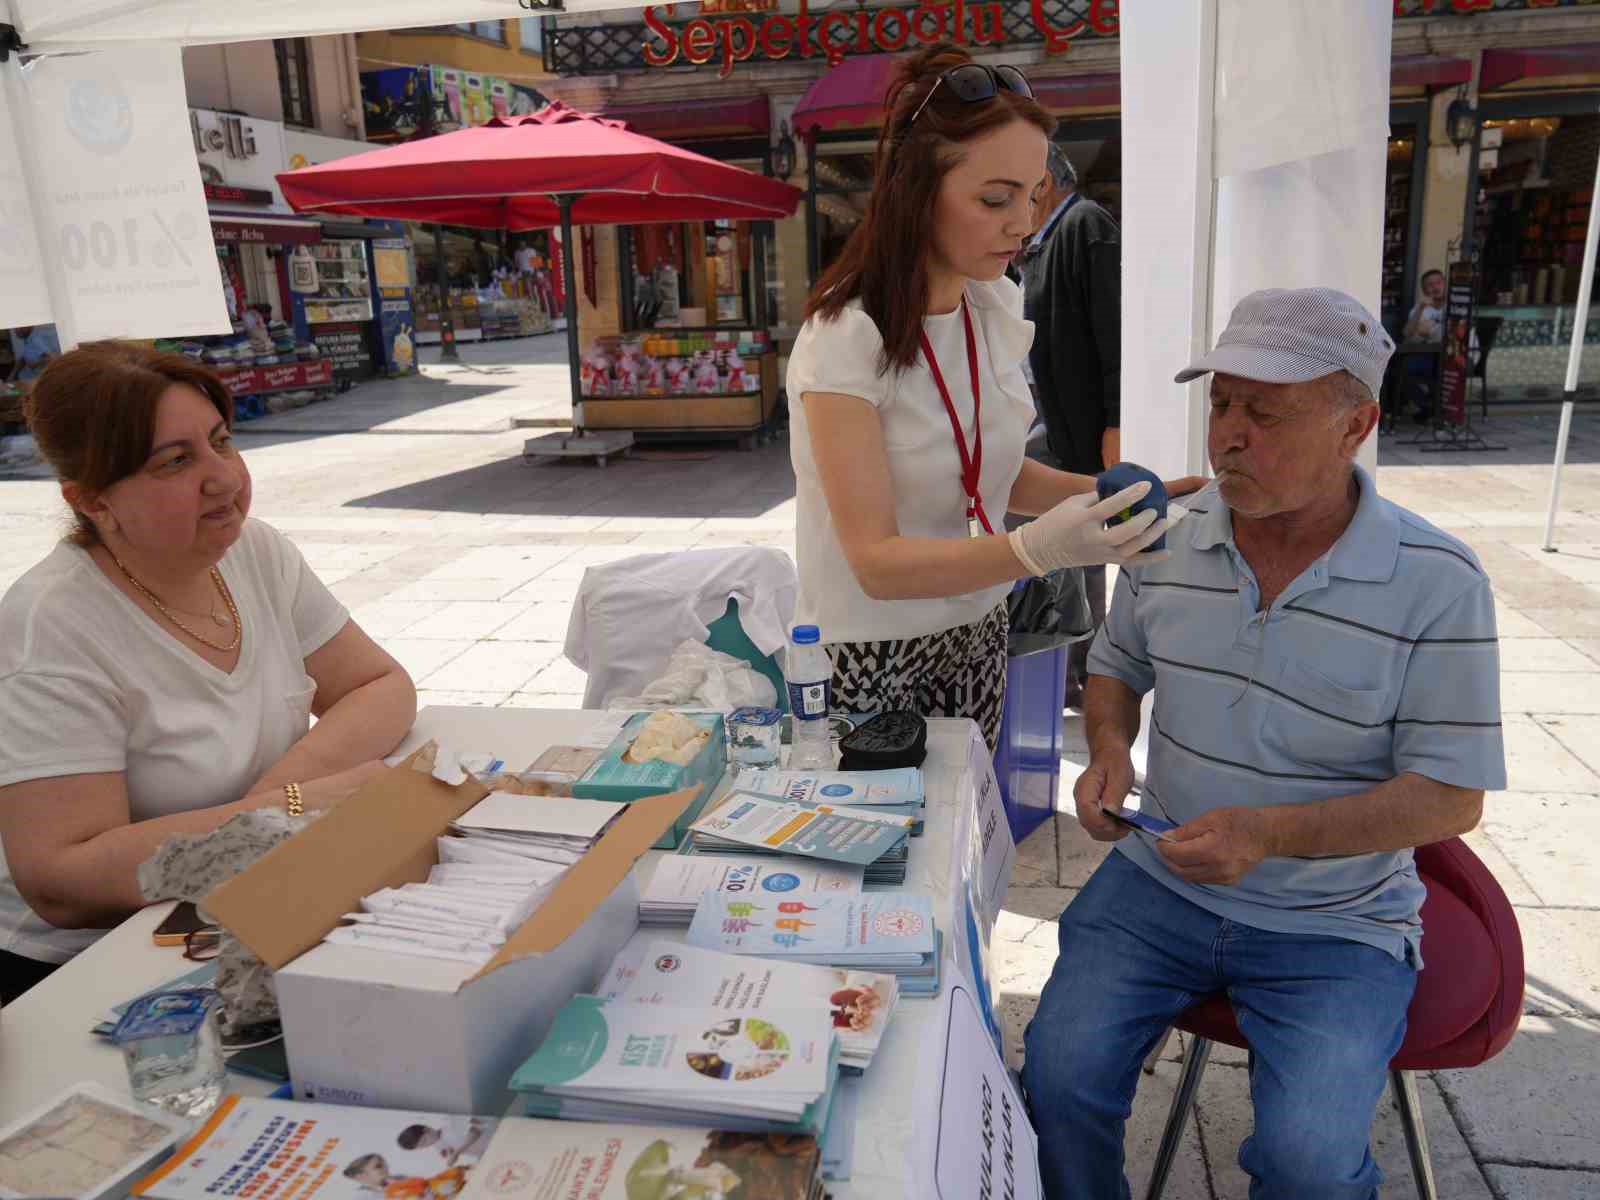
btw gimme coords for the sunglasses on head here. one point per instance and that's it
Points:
(976, 82)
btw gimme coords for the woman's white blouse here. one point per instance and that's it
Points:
(841, 356)
(90, 682)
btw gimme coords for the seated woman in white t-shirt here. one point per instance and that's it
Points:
(158, 669)
(903, 558)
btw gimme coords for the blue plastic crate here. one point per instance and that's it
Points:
(1028, 758)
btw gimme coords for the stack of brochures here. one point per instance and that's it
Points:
(675, 888)
(538, 1160)
(747, 823)
(875, 931)
(899, 791)
(857, 1003)
(659, 1063)
(256, 1147)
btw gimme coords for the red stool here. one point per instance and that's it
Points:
(1466, 1007)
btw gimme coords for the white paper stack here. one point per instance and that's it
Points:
(553, 828)
(473, 898)
(858, 1004)
(679, 882)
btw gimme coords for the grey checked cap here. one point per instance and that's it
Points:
(1283, 335)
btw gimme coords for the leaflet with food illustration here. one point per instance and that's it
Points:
(858, 1003)
(544, 1160)
(255, 1147)
(819, 831)
(903, 785)
(891, 931)
(678, 883)
(700, 1059)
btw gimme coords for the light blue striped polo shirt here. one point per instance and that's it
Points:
(1380, 659)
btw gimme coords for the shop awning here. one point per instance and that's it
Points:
(848, 96)
(683, 120)
(263, 229)
(1501, 67)
(1428, 70)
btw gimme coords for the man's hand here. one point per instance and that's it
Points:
(1104, 785)
(1221, 846)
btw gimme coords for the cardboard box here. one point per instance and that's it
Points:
(363, 1026)
(613, 779)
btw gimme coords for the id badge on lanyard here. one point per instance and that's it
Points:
(971, 464)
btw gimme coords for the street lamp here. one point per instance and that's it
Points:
(1461, 123)
(783, 153)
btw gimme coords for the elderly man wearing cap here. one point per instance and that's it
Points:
(1326, 698)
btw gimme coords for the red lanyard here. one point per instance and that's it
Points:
(971, 464)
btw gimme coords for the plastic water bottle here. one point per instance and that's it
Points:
(809, 674)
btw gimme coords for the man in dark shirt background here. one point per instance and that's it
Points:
(1072, 288)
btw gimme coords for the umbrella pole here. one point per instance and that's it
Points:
(1580, 325)
(570, 282)
(441, 271)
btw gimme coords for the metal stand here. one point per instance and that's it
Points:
(602, 445)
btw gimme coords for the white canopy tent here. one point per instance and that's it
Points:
(1254, 135)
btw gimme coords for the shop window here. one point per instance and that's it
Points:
(530, 34)
(294, 80)
(489, 31)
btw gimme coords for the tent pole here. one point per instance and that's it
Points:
(441, 271)
(1580, 324)
(570, 281)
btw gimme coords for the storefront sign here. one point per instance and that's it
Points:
(118, 195)
(348, 348)
(239, 153)
(227, 194)
(247, 381)
(843, 32)
(348, 310)
(266, 233)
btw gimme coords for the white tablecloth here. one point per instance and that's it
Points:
(45, 1043)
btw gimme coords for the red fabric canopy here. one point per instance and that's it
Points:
(849, 95)
(508, 173)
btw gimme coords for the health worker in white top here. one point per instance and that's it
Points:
(912, 412)
(159, 667)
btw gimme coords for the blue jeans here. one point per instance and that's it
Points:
(1323, 1016)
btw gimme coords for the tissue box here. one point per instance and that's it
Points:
(613, 779)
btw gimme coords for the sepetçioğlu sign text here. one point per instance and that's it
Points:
(727, 40)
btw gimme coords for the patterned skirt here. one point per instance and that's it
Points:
(959, 672)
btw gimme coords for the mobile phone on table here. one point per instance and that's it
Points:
(1142, 822)
(183, 920)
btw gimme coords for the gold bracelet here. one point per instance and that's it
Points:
(295, 804)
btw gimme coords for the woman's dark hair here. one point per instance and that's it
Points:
(93, 413)
(885, 260)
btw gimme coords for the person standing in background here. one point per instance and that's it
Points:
(1072, 292)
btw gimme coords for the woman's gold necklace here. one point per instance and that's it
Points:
(222, 589)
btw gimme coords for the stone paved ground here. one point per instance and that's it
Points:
(411, 500)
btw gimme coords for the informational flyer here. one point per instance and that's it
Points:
(822, 831)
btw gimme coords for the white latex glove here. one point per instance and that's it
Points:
(1074, 534)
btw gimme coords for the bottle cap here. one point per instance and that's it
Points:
(806, 635)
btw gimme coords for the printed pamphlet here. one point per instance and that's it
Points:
(255, 1148)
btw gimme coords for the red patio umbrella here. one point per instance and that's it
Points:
(557, 166)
